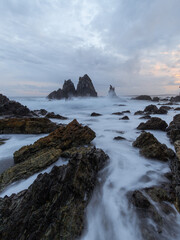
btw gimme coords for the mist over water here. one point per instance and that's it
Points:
(109, 215)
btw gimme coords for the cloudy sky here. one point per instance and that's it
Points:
(132, 44)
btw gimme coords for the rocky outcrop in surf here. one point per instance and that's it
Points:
(9, 108)
(153, 123)
(54, 206)
(111, 92)
(85, 88)
(45, 151)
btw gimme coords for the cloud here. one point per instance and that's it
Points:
(129, 44)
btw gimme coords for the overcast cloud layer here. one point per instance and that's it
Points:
(132, 44)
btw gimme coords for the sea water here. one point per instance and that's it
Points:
(108, 214)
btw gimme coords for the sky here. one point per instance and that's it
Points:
(133, 45)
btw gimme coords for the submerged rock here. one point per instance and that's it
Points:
(56, 116)
(45, 151)
(124, 118)
(150, 147)
(85, 87)
(155, 99)
(54, 206)
(94, 114)
(119, 138)
(117, 113)
(154, 123)
(26, 126)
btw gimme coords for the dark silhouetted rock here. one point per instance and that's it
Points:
(143, 97)
(10, 108)
(124, 118)
(175, 99)
(150, 147)
(177, 109)
(41, 112)
(68, 89)
(112, 92)
(154, 123)
(85, 87)
(155, 99)
(26, 126)
(54, 206)
(94, 114)
(151, 109)
(126, 111)
(56, 94)
(117, 113)
(145, 117)
(119, 138)
(139, 113)
(56, 116)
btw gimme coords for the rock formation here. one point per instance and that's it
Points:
(154, 123)
(85, 88)
(10, 108)
(143, 97)
(150, 147)
(173, 130)
(45, 151)
(112, 92)
(53, 207)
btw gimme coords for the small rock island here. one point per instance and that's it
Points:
(85, 88)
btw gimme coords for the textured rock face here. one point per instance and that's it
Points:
(85, 87)
(154, 223)
(152, 109)
(173, 131)
(45, 151)
(26, 126)
(112, 92)
(143, 97)
(69, 89)
(154, 123)
(150, 147)
(13, 108)
(54, 205)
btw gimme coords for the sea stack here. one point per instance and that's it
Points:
(85, 88)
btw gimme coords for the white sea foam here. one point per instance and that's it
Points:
(108, 214)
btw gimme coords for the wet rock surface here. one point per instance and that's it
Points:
(153, 109)
(55, 116)
(26, 126)
(45, 151)
(154, 123)
(173, 130)
(150, 147)
(175, 99)
(54, 206)
(124, 118)
(118, 138)
(155, 220)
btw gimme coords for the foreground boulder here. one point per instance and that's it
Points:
(45, 151)
(173, 130)
(85, 87)
(54, 206)
(150, 147)
(154, 123)
(10, 108)
(26, 126)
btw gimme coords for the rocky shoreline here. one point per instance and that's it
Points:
(54, 206)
